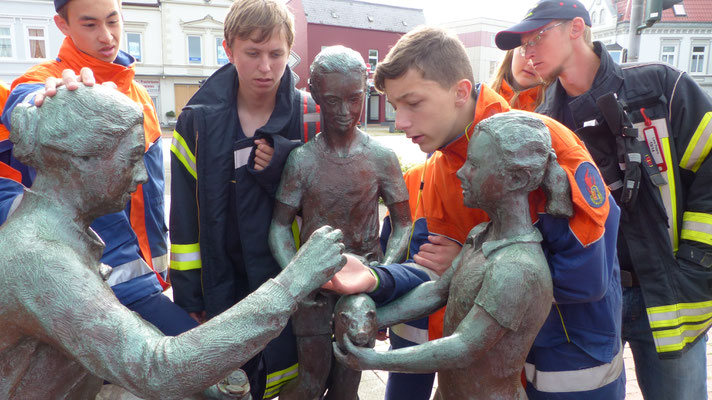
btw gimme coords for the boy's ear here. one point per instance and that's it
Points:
(463, 90)
(577, 27)
(228, 52)
(62, 24)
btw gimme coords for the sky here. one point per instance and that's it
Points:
(439, 11)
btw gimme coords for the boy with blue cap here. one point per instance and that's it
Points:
(648, 129)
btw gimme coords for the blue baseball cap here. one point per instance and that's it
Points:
(543, 12)
(59, 4)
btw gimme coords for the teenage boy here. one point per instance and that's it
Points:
(428, 79)
(136, 238)
(229, 147)
(665, 238)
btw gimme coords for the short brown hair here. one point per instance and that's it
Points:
(435, 53)
(246, 17)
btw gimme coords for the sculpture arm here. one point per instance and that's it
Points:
(423, 300)
(400, 235)
(475, 335)
(281, 239)
(141, 358)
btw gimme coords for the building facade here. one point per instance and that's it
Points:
(682, 38)
(477, 34)
(178, 43)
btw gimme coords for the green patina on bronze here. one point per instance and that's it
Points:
(498, 290)
(336, 179)
(62, 330)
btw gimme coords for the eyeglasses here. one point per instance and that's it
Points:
(537, 38)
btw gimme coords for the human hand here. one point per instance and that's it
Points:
(70, 81)
(199, 317)
(315, 262)
(437, 254)
(353, 278)
(356, 358)
(263, 154)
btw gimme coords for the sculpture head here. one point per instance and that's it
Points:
(338, 85)
(90, 139)
(510, 153)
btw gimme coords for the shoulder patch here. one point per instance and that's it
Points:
(590, 184)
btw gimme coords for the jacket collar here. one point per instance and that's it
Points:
(525, 101)
(609, 78)
(220, 91)
(121, 71)
(488, 104)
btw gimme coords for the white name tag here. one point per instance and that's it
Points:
(241, 157)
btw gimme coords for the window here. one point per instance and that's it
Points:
(374, 107)
(133, 45)
(5, 42)
(668, 54)
(37, 41)
(220, 54)
(195, 52)
(373, 59)
(616, 55)
(594, 17)
(390, 112)
(697, 63)
(602, 17)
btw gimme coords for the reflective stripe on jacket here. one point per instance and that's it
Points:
(668, 236)
(136, 236)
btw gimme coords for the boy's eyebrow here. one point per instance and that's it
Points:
(404, 95)
(90, 18)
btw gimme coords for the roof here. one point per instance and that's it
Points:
(696, 10)
(362, 15)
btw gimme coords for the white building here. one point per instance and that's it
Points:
(477, 34)
(177, 43)
(28, 36)
(682, 37)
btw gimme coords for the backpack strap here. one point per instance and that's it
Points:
(311, 120)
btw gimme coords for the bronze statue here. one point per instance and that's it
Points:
(336, 179)
(498, 289)
(62, 330)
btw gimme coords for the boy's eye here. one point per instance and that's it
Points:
(414, 103)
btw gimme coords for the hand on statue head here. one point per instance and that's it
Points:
(353, 278)
(263, 154)
(356, 358)
(315, 262)
(437, 254)
(70, 80)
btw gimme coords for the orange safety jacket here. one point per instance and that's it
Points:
(146, 210)
(441, 204)
(526, 100)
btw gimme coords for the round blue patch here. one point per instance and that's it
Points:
(591, 185)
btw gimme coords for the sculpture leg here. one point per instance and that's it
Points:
(312, 327)
(344, 383)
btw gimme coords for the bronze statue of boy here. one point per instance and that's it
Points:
(62, 330)
(336, 179)
(498, 289)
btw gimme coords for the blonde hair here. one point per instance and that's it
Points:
(246, 17)
(435, 53)
(504, 73)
